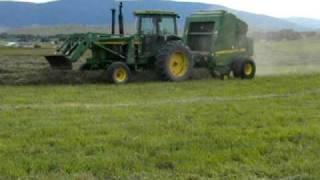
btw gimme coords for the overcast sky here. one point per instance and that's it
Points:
(277, 8)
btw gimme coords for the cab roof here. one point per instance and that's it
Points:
(210, 12)
(155, 12)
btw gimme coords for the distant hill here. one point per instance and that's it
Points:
(306, 22)
(2, 30)
(96, 12)
(60, 29)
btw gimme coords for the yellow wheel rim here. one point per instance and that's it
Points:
(248, 69)
(120, 75)
(178, 65)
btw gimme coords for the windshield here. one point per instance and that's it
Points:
(151, 25)
(148, 26)
(167, 25)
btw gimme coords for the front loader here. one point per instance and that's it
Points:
(156, 46)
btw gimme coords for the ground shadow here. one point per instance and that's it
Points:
(75, 77)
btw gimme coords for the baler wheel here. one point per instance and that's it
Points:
(174, 62)
(119, 73)
(236, 68)
(245, 69)
(249, 69)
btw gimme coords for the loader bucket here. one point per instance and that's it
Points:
(59, 62)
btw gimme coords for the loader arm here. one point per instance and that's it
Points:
(70, 51)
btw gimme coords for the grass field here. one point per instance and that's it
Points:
(266, 128)
(72, 125)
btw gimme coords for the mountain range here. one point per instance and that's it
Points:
(97, 12)
(305, 22)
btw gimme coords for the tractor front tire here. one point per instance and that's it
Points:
(244, 69)
(174, 62)
(119, 73)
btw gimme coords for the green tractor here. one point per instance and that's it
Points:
(215, 40)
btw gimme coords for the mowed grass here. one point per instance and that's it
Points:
(267, 128)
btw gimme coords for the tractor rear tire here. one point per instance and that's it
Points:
(119, 73)
(244, 69)
(174, 62)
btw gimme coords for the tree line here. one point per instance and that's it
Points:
(32, 38)
(285, 34)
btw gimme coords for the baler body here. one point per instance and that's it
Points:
(217, 39)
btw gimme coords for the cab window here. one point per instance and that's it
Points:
(148, 26)
(167, 26)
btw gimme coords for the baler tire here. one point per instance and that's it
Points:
(248, 69)
(119, 73)
(244, 69)
(236, 68)
(174, 62)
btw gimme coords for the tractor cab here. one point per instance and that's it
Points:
(155, 28)
(156, 23)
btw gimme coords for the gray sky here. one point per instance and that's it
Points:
(277, 8)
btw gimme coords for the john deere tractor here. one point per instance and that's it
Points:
(215, 40)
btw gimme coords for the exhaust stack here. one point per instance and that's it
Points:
(113, 28)
(121, 25)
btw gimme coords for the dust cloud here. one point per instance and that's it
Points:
(287, 57)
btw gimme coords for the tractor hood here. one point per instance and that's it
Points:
(110, 39)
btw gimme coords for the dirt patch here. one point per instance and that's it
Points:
(34, 70)
(20, 70)
(23, 67)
